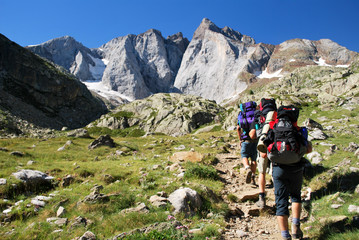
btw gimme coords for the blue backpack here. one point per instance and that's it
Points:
(245, 117)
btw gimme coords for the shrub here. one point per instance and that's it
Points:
(231, 197)
(201, 171)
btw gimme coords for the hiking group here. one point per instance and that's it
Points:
(271, 141)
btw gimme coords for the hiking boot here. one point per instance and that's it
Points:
(296, 231)
(248, 175)
(261, 203)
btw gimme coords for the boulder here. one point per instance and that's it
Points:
(88, 236)
(34, 176)
(311, 124)
(317, 134)
(186, 156)
(3, 181)
(104, 140)
(79, 133)
(79, 221)
(17, 154)
(95, 197)
(185, 200)
(353, 147)
(57, 221)
(60, 212)
(315, 157)
(67, 180)
(158, 201)
(140, 208)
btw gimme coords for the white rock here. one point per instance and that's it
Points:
(38, 203)
(353, 209)
(185, 200)
(3, 181)
(60, 212)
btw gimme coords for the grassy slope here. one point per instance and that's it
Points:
(136, 183)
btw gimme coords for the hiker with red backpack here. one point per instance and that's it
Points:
(267, 114)
(287, 143)
(248, 141)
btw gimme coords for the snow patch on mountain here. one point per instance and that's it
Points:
(322, 62)
(99, 68)
(99, 88)
(265, 74)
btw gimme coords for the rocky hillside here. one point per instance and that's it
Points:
(171, 114)
(36, 90)
(218, 63)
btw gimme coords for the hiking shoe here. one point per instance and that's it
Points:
(296, 231)
(248, 175)
(261, 203)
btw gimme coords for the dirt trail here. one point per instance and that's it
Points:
(246, 220)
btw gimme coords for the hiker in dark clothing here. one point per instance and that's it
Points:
(288, 181)
(287, 143)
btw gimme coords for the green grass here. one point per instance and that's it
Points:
(133, 180)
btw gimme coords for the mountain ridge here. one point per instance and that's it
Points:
(217, 64)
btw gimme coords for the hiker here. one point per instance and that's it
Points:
(287, 143)
(266, 114)
(248, 141)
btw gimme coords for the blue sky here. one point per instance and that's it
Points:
(95, 22)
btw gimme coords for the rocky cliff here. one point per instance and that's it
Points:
(218, 63)
(36, 90)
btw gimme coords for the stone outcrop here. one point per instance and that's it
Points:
(42, 93)
(172, 114)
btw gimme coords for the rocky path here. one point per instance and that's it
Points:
(246, 220)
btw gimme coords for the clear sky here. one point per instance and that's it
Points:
(95, 22)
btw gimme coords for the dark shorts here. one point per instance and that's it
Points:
(287, 182)
(249, 150)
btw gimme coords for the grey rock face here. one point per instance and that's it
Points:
(142, 65)
(70, 54)
(220, 63)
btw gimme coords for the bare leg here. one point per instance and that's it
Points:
(245, 162)
(296, 209)
(253, 166)
(262, 182)
(283, 222)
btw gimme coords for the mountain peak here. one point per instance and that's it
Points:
(205, 25)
